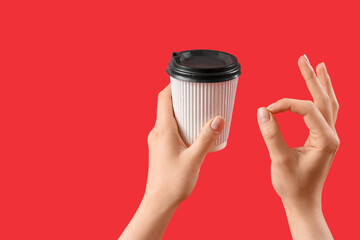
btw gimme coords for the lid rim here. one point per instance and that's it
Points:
(203, 78)
(228, 69)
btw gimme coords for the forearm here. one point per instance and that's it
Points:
(307, 223)
(149, 221)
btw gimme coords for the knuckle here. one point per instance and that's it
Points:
(310, 76)
(283, 100)
(150, 136)
(336, 105)
(333, 144)
(208, 139)
(310, 106)
(271, 134)
(283, 161)
(326, 98)
(336, 143)
(161, 132)
(153, 135)
(280, 161)
(205, 140)
(309, 103)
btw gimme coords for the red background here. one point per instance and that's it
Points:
(79, 84)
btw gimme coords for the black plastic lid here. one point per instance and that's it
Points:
(203, 66)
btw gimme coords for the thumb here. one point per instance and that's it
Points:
(207, 138)
(271, 133)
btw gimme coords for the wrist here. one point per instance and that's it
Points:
(158, 203)
(303, 207)
(306, 220)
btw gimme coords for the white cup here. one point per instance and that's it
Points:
(196, 103)
(203, 85)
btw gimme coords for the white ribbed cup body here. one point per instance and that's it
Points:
(196, 103)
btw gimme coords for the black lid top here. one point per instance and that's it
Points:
(203, 66)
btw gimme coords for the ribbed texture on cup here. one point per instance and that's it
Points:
(196, 103)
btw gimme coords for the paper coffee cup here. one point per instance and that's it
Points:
(203, 85)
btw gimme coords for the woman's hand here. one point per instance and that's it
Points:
(173, 166)
(173, 170)
(298, 175)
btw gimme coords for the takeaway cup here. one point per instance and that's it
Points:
(203, 85)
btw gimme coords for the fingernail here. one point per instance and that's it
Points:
(263, 115)
(217, 124)
(306, 58)
(324, 66)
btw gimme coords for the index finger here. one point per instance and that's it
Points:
(165, 113)
(312, 116)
